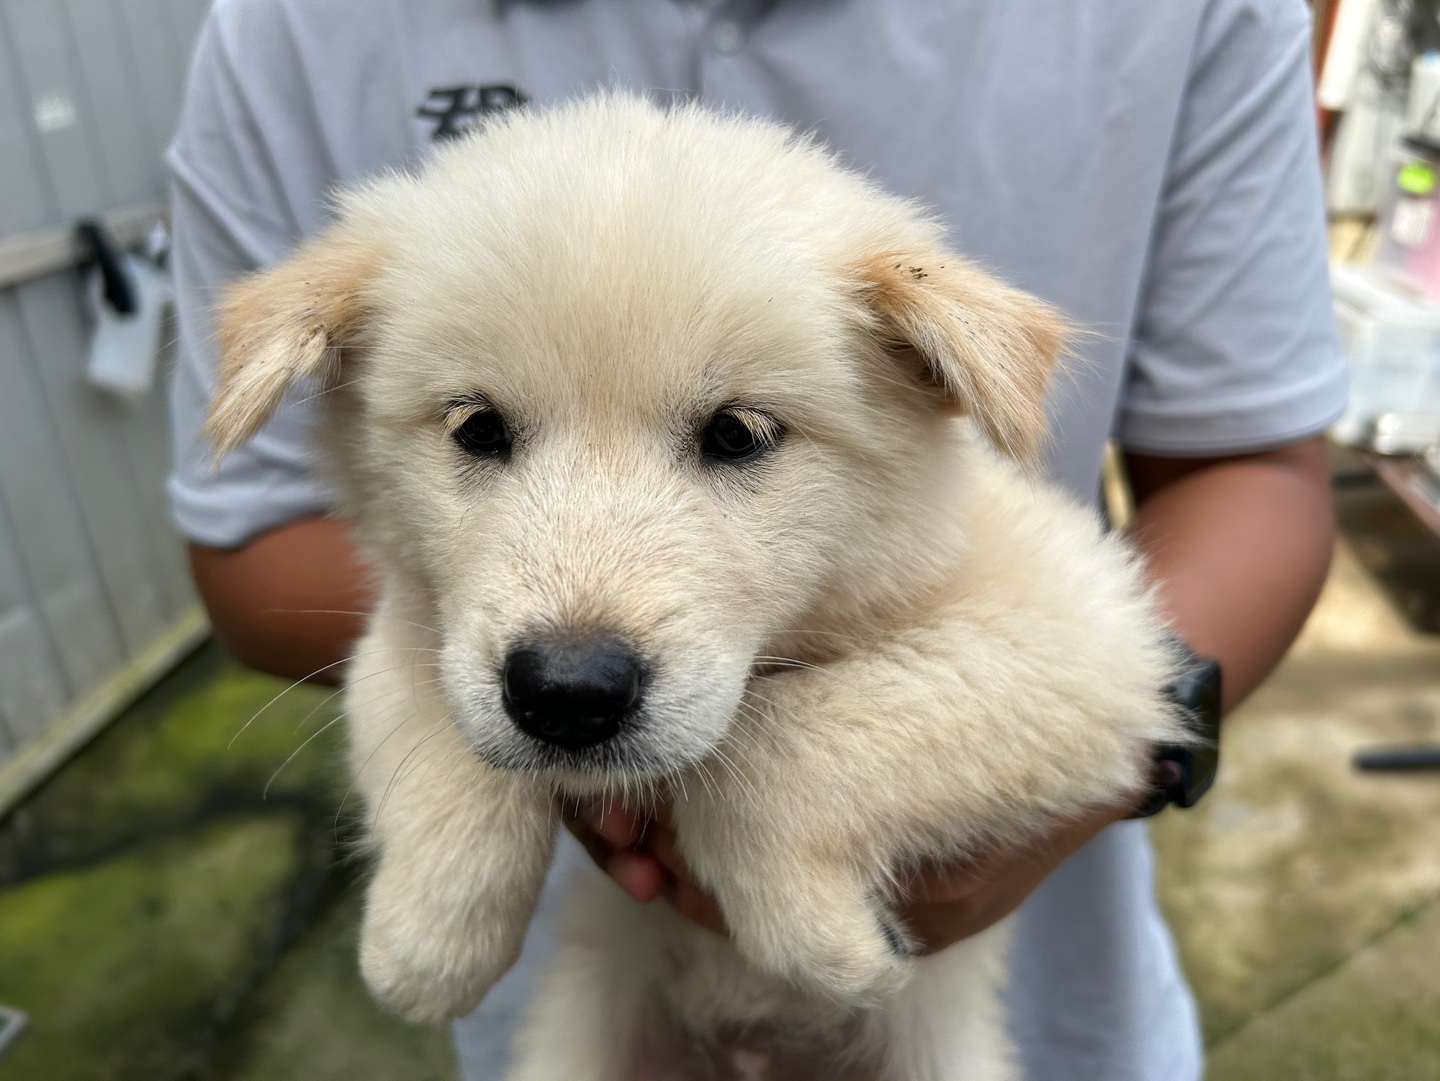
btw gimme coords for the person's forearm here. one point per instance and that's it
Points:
(1240, 547)
(291, 602)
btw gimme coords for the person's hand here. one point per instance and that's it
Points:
(941, 906)
(640, 854)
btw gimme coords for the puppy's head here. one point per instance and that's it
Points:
(634, 402)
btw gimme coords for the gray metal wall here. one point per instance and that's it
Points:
(92, 577)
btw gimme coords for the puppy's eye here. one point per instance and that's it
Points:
(738, 435)
(483, 434)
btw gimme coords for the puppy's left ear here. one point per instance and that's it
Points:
(988, 348)
(295, 320)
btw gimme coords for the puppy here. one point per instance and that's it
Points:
(686, 459)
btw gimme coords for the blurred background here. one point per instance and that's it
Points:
(178, 883)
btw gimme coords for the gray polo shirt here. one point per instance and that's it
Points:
(1148, 167)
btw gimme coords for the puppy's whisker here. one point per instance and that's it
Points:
(747, 789)
(265, 793)
(298, 682)
(463, 755)
(380, 696)
(702, 770)
(759, 714)
(352, 683)
(742, 740)
(326, 390)
(829, 671)
(738, 744)
(859, 689)
(790, 662)
(435, 729)
(369, 758)
(739, 728)
(427, 682)
(318, 706)
(393, 691)
(438, 752)
(362, 615)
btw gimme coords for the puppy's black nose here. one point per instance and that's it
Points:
(572, 694)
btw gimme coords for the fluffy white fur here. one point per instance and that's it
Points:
(881, 644)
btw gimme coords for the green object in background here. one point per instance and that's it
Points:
(1417, 178)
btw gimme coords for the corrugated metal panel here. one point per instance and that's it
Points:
(146, 439)
(39, 492)
(159, 70)
(24, 196)
(95, 595)
(129, 149)
(32, 690)
(89, 429)
(58, 109)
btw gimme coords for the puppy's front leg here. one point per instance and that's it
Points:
(948, 1024)
(462, 847)
(791, 881)
(585, 1020)
(923, 746)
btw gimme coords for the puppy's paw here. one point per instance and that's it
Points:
(424, 974)
(861, 967)
(430, 956)
(853, 957)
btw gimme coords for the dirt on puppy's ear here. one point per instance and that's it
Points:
(291, 321)
(987, 347)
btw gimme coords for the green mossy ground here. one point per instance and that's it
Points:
(129, 967)
(164, 917)
(313, 1019)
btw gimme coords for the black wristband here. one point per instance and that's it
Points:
(1184, 772)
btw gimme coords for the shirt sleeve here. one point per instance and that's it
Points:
(1234, 346)
(231, 212)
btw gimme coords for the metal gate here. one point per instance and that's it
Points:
(95, 598)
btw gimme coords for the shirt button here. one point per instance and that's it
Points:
(727, 37)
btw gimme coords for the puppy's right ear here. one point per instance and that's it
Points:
(986, 347)
(289, 322)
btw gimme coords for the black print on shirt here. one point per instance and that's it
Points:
(457, 109)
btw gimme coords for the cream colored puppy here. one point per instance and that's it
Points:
(682, 455)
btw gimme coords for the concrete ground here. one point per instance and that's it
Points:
(1305, 895)
(163, 917)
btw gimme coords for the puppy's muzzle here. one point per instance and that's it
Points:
(573, 694)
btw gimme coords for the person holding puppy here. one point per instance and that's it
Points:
(1152, 174)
